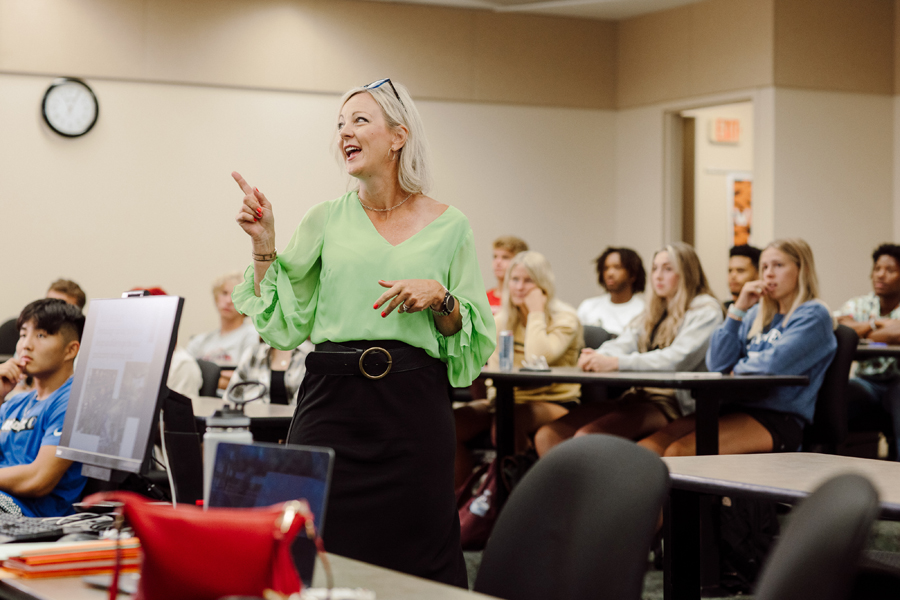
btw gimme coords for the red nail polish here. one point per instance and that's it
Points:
(384, 314)
(376, 305)
(257, 190)
(259, 211)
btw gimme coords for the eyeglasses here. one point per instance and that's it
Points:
(377, 84)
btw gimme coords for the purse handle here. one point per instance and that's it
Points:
(283, 523)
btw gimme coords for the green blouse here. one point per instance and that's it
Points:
(325, 283)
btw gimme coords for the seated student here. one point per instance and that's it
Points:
(542, 325)
(621, 273)
(68, 290)
(33, 481)
(876, 317)
(777, 326)
(505, 247)
(64, 289)
(672, 334)
(743, 266)
(281, 371)
(225, 345)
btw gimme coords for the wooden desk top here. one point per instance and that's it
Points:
(387, 585)
(673, 379)
(785, 477)
(205, 406)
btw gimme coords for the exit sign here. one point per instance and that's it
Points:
(725, 131)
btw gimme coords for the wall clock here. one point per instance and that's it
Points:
(70, 107)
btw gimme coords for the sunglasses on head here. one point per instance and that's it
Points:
(381, 82)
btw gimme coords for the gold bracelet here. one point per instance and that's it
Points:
(265, 257)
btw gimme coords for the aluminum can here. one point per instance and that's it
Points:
(505, 342)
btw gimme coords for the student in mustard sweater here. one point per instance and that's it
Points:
(776, 326)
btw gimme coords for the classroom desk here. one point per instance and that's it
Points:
(268, 422)
(387, 585)
(707, 389)
(870, 350)
(784, 477)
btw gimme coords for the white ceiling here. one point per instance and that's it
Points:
(591, 9)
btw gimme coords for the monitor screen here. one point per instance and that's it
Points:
(119, 383)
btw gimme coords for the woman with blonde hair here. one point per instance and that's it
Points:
(542, 326)
(672, 334)
(777, 326)
(385, 281)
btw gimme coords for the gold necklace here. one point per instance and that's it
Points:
(381, 209)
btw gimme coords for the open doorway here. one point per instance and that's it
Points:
(717, 185)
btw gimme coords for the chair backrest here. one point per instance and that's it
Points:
(594, 336)
(818, 554)
(210, 372)
(9, 337)
(578, 525)
(829, 426)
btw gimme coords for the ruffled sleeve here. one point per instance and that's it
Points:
(285, 310)
(467, 351)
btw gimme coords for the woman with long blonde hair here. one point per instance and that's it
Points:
(542, 326)
(671, 335)
(777, 326)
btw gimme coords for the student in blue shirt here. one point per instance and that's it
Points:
(33, 481)
(777, 326)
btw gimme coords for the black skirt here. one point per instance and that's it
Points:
(392, 501)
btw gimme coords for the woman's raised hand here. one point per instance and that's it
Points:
(255, 217)
(750, 294)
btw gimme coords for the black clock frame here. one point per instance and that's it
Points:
(56, 83)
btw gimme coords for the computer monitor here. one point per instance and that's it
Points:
(120, 383)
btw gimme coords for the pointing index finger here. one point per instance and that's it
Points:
(242, 182)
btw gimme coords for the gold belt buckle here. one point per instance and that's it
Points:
(362, 369)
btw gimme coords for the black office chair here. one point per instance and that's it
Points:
(578, 525)
(9, 337)
(595, 336)
(210, 372)
(829, 427)
(818, 553)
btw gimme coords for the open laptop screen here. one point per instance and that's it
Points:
(249, 475)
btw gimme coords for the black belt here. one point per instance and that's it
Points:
(373, 360)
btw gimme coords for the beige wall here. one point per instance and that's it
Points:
(317, 46)
(833, 157)
(146, 198)
(837, 45)
(725, 45)
(702, 48)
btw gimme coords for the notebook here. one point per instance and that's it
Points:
(250, 475)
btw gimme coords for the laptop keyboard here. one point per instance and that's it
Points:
(16, 528)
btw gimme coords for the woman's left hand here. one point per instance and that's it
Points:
(411, 295)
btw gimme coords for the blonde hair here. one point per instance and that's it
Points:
(235, 277)
(414, 160)
(538, 268)
(510, 243)
(691, 283)
(807, 283)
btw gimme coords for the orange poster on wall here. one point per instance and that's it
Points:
(741, 189)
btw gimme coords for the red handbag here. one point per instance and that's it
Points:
(195, 554)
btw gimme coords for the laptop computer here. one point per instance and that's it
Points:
(251, 475)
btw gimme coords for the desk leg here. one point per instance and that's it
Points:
(707, 421)
(681, 546)
(506, 427)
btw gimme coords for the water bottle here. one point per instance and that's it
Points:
(228, 424)
(505, 353)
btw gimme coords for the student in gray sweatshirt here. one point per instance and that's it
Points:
(672, 334)
(776, 326)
